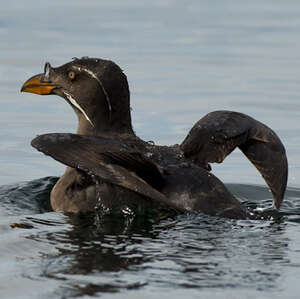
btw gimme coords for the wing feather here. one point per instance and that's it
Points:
(218, 133)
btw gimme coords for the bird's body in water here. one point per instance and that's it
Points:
(110, 167)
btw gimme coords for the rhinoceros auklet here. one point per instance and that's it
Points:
(109, 166)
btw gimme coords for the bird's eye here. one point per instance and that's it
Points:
(71, 75)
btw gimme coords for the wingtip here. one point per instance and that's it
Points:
(44, 140)
(279, 192)
(35, 142)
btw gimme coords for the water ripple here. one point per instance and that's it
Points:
(91, 254)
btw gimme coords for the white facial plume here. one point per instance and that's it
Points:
(75, 104)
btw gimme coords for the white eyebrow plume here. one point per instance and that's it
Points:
(74, 103)
(90, 73)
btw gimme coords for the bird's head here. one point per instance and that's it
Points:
(96, 89)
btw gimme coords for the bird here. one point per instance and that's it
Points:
(109, 167)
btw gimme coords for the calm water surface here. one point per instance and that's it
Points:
(183, 59)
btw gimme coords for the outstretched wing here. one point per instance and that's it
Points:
(218, 133)
(110, 160)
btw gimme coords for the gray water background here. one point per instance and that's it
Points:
(183, 59)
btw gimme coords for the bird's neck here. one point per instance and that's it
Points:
(104, 126)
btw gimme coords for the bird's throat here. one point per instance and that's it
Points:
(102, 126)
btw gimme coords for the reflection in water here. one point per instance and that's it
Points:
(95, 255)
(91, 254)
(95, 246)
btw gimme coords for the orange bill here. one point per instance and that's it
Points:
(34, 85)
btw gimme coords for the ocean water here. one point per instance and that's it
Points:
(183, 59)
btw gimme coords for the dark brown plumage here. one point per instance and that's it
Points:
(109, 166)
